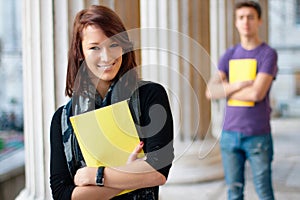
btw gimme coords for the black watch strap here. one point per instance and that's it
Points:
(100, 176)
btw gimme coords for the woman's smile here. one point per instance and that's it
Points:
(106, 66)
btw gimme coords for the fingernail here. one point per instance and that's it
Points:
(141, 143)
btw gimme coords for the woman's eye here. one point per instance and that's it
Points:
(114, 45)
(95, 48)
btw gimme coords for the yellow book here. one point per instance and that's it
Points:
(241, 70)
(106, 136)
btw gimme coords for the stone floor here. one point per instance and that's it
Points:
(197, 172)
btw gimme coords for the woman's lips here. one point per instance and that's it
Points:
(106, 66)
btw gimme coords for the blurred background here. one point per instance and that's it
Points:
(34, 40)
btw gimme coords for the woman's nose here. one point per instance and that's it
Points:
(104, 55)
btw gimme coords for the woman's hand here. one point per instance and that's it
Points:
(85, 176)
(134, 155)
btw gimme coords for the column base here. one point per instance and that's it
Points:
(25, 195)
(196, 162)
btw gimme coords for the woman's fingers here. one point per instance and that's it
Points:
(134, 155)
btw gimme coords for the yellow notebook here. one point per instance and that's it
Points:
(106, 136)
(241, 70)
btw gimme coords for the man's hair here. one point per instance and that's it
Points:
(251, 4)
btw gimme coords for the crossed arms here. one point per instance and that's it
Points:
(218, 87)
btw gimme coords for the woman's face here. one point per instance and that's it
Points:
(103, 56)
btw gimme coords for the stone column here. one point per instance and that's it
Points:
(218, 27)
(39, 94)
(176, 53)
(179, 26)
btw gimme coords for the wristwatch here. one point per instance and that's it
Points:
(100, 176)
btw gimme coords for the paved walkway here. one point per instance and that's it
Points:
(196, 176)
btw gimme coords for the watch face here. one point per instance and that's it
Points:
(100, 182)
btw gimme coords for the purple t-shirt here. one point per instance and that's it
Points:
(250, 120)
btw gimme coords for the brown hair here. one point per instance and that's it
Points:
(251, 4)
(111, 24)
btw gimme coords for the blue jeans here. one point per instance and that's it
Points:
(236, 148)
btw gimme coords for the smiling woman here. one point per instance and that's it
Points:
(101, 72)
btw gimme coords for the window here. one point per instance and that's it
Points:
(297, 13)
(11, 94)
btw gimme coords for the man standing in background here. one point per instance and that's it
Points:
(245, 75)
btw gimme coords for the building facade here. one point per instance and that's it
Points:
(284, 30)
(188, 37)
